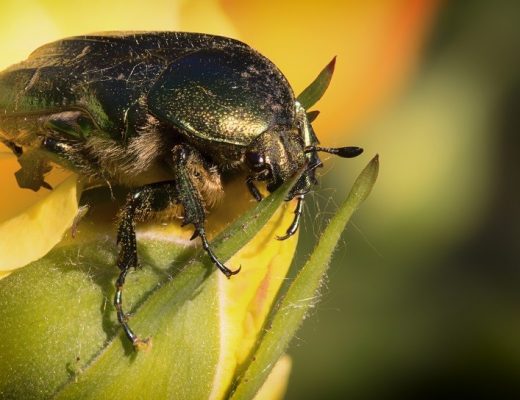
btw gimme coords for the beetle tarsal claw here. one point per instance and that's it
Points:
(283, 237)
(236, 271)
(225, 270)
(293, 228)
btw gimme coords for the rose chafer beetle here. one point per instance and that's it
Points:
(115, 107)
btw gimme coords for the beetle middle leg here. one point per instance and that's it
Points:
(187, 166)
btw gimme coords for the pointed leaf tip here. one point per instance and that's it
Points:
(317, 88)
(366, 180)
(312, 115)
(332, 64)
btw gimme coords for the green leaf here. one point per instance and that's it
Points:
(312, 115)
(303, 292)
(317, 88)
(59, 336)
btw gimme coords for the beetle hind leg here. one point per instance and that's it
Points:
(127, 259)
(139, 204)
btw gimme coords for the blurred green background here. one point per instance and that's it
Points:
(423, 297)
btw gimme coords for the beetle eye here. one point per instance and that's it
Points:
(255, 161)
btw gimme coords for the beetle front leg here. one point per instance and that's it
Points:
(293, 228)
(298, 191)
(253, 189)
(190, 197)
(262, 176)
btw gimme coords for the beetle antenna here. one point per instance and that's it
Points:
(343, 152)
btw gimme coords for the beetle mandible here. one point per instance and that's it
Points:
(113, 107)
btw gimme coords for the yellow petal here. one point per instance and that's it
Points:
(245, 300)
(205, 16)
(276, 383)
(3, 274)
(31, 234)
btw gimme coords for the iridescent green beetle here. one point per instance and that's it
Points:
(113, 107)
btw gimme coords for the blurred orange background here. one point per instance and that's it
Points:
(424, 289)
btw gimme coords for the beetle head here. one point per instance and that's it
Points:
(275, 156)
